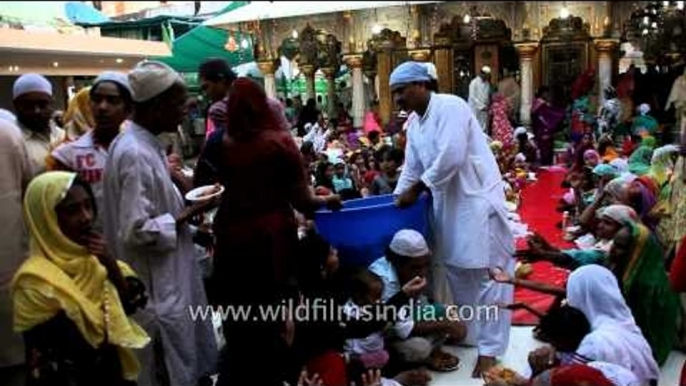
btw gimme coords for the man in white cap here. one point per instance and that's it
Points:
(111, 104)
(448, 155)
(417, 342)
(32, 96)
(15, 174)
(146, 225)
(479, 96)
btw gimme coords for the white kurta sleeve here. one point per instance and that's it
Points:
(452, 137)
(412, 169)
(141, 227)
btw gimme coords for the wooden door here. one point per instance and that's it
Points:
(562, 64)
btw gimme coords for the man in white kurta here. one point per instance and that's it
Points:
(32, 98)
(479, 96)
(144, 220)
(15, 173)
(447, 154)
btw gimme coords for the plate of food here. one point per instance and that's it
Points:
(205, 193)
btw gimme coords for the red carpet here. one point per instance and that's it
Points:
(537, 209)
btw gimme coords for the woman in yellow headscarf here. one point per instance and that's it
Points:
(79, 118)
(71, 299)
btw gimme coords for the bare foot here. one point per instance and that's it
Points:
(417, 377)
(483, 364)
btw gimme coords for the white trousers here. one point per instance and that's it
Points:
(489, 327)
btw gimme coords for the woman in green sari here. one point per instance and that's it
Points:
(637, 260)
(641, 158)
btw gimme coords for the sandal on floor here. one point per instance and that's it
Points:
(441, 361)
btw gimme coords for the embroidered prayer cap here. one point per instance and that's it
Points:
(410, 243)
(115, 77)
(409, 72)
(486, 70)
(150, 79)
(31, 83)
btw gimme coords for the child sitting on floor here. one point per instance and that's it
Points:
(366, 291)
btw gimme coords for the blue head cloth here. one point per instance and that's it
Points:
(409, 72)
(605, 170)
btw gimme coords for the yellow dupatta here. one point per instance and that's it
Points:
(61, 275)
(79, 118)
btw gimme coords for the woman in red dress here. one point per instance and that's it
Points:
(257, 233)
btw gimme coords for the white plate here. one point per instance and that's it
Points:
(194, 195)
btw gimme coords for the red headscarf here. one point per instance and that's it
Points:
(583, 84)
(574, 375)
(248, 112)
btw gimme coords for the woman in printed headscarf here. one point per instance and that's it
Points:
(642, 194)
(257, 234)
(610, 111)
(71, 299)
(79, 118)
(500, 123)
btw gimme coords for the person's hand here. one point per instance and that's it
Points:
(538, 244)
(198, 208)
(455, 330)
(414, 287)
(407, 198)
(333, 202)
(542, 359)
(492, 377)
(175, 162)
(500, 276)
(306, 380)
(371, 378)
(98, 248)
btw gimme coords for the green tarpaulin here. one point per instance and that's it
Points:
(203, 42)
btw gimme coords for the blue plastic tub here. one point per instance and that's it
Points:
(362, 230)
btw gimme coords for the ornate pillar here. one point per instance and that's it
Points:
(384, 75)
(526, 51)
(605, 49)
(330, 74)
(309, 70)
(268, 69)
(354, 61)
(443, 60)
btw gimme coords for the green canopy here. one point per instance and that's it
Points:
(203, 42)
